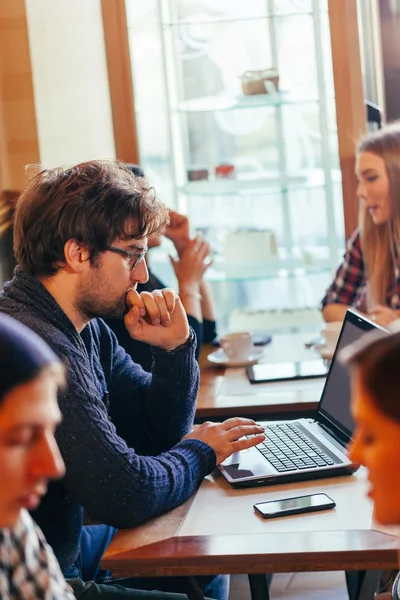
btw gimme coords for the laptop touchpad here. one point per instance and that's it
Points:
(247, 464)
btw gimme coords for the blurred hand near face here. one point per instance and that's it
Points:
(157, 318)
(178, 231)
(190, 267)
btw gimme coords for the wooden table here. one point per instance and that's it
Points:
(217, 531)
(227, 392)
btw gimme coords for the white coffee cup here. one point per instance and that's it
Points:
(330, 333)
(237, 346)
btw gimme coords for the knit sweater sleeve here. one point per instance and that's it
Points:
(152, 411)
(116, 485)
(115, 482)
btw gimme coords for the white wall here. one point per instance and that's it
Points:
(70, 81)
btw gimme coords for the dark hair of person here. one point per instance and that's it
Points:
(136, 170)
(54, 371)
(377, 357)
(94, 203)
(24, 357)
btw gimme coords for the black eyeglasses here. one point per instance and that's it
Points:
(135, 257)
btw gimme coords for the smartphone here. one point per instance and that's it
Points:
(294, 506)
(285, 371)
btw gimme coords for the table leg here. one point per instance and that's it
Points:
(193, 590)
(368, 586)
(259, 586)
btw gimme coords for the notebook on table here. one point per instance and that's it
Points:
(304, 449)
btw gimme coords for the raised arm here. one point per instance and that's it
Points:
(334, 312)
(189, 270)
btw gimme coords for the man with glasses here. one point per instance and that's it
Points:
(80, 236)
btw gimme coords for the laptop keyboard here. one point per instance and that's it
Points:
(287, 448)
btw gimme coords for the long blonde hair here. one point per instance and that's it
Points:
(381, 242)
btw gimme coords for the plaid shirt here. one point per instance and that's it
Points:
(349, 286)
(28, 568)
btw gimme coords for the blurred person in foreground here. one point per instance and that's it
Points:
(30, 374)
(374, 362)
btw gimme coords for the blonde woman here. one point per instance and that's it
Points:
(369, 276)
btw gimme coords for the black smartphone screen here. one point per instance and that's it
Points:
(284, 371)
(294, 506)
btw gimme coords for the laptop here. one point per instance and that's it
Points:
(305, 449)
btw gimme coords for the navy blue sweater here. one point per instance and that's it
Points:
(121, 426)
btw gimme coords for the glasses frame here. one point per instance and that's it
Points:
(138, 256)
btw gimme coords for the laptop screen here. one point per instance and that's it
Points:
(336, 396)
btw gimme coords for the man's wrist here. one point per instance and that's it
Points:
(186, 344)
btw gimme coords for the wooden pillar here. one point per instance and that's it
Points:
(390, 28)
(18, 134)
(349, 95)
(120, 80)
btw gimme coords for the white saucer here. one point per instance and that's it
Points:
(323, 351)
(220, 358)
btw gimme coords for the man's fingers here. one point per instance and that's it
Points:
(237, 432)
(133, 298)
(132, 317)
(154, 308)
(170, 298)
(162, 307)
(236, 421)
(246, 443)
(159, 305)
(151, 307)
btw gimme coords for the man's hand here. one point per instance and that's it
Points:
(178, 231)
(383, 315)
(227, 437)
(157, 318)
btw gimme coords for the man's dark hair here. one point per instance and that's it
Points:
(95, 203)
(377, 356)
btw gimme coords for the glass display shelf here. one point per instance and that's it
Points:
(275, 268)
(271, 183)
(228, 102)
(220, 20)
(277, 320)
(221, 270)
(275, 224)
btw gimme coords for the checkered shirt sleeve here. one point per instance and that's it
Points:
(349, 284)
(28, 568)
